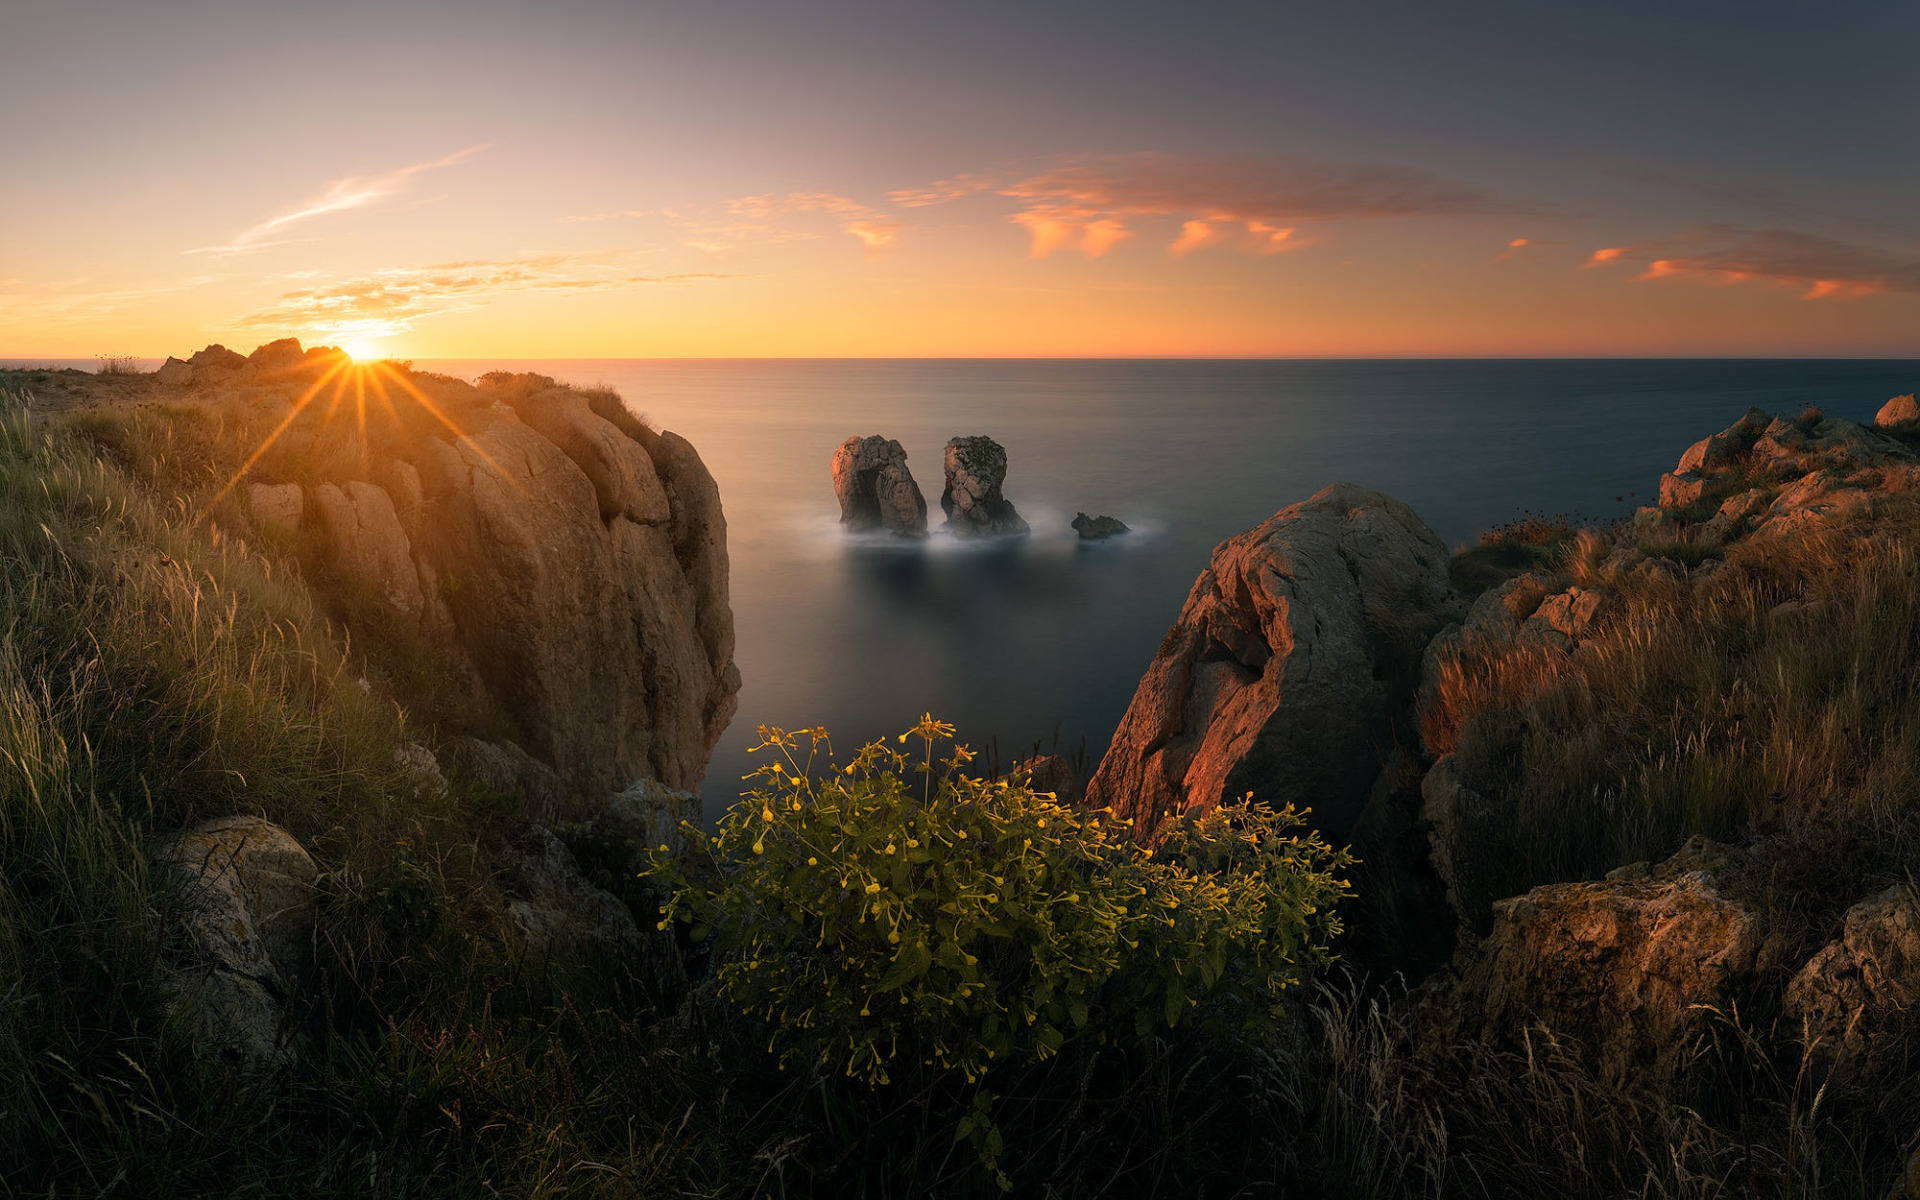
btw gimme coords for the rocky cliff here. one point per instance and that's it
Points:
(1661, 766)
(564, 561)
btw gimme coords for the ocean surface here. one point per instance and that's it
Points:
(1041, 640)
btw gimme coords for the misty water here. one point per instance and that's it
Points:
(1042, 639)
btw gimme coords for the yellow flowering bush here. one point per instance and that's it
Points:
(878, 921)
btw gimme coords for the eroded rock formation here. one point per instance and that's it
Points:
(570, 560)
(976, 467)
(875, 488)
(1290, 670)
(249, 895)
(1626, 967)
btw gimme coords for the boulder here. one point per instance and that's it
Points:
(248, 907)
(875, 488)
(214, 361)
(366, 545)
(174, 373)
(976, 467)
(1457, 819)
(565, 922)
(1898, 413)
(1093, 529)
(1625, 967)
(278, 357)
(277, 507)
(1290, 671)
(1052, 773)
(507, 771)
(1857, 984)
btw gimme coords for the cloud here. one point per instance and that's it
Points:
(875, 229)
(1724, 254)
(1254, 204)
(394, 299)
(342, 195)
(1521, 246)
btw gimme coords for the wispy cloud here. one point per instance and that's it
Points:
(1253, 204)
(393, 300)
(342, 195)
(875, 229)
(1724, 254)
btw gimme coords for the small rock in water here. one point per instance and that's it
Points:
(1092, 529)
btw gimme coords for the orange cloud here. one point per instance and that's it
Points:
(1720, 254)
(875, 229)
(1250, 204)
(394, 299)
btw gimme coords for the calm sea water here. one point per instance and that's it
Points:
(1043, 639)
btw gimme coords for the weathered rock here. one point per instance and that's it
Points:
(1624, 967)
(563, 919)
(1849, 991)
(1898, 413)
(1095, 528)
(367, 546)
(249, 896)
(609, 640)
(1457, 818)
(174, 373)
(508, 771)
(279, 357)
(1571, 613)
(1680, 489)
(422, 768)
(277, 507)
(976, 468)
(1052, 773)
(1290, 671)
(215, 359)
(875, 488)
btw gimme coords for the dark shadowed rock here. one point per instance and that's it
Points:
(1052, 773)
(1290, 671)
(976, 467)
(875, 488)
(1093, 529)
(216, 358)
(1858, 986)
(249, 897)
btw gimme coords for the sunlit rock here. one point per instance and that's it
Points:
(1290, 671)
(875, 488)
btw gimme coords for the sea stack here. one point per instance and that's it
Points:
(1094, 529)
(976, 467)
(875, 488)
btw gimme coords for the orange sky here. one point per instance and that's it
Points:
(674, 189)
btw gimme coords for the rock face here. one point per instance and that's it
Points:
(563, 559)
(249, 910)
(976, 468)
(368, 547)
(278, 507)
(582, 568)
(1622, 966)
(875, 489)
(1093, 529)
(1290, 671)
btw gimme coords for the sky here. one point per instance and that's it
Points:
(447, 179)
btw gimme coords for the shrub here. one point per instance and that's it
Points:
(962, 924)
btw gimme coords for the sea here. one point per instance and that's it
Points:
(1037, 642)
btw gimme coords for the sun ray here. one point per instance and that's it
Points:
(299, 406)
(406, 385)
(360, 414)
